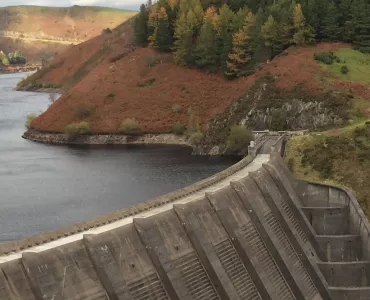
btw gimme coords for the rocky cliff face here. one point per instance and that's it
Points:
(267, 107)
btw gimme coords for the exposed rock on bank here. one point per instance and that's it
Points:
(37, 89)
(265, 106)
(104, 139)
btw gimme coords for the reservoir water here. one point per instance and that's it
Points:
(43, 187)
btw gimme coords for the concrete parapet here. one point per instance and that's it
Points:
(27, 243)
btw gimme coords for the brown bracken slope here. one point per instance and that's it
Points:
(135, 87)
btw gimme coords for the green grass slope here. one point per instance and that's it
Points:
(340, 155)
(358, 64)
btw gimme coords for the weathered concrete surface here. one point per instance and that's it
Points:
(254, 233)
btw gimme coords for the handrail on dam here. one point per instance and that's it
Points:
(37, 240)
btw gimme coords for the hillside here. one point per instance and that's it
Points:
(39, 32)
(147, 85)
(340, 155)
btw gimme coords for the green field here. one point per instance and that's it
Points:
(357, 62)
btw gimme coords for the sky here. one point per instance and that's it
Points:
(128, 4)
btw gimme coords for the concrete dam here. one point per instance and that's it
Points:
(250, 232)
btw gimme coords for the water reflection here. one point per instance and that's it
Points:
(44, 187)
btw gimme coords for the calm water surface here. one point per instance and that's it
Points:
(44, 187)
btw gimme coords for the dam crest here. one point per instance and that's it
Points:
(250, 232)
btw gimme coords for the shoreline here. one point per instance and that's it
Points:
(31, 69)
(39, 90)
(105, 139)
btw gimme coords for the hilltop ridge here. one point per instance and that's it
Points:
(39, 32)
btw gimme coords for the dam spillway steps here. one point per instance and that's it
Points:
(257, 234)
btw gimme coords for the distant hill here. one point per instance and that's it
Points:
(39, 32)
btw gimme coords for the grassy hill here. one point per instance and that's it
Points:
(340, 155)
(40, 31)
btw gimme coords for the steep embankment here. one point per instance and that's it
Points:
(147, 86)
(341, 155)
(69, 66)
(39, 32)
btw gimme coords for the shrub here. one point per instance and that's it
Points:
(111, 95)
(152, 60)
(239, 139)
(344, 70)
(83, 112)
(178, 129)
(30, 118)
(107, 30)
(177, 109)
(146, 83)
(279, 120)
(130, 126)
(193, 124)
(326, 57)
(75, 129)
(196, 138)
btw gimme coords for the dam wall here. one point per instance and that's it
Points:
(256, 232)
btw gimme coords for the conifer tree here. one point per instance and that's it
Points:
(186, 29)
(346, 20)
(270, 34)
(162, 35)
(361, 24)
(206, 52)
(239, 18)
(183, 41)
(303, 34)
(141, 27)
(242, 49)
(330, 22)
(225, 27)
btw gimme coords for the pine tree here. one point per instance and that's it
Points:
(162, 35)
(346, 20)
(205, 51)
(269, 32)
(303, 34)
(242, 49)
(187, 28)
(152, 24)
(239, 18)
(183, 41)
(225, 27)
(141, 27)
(361, 24)
(330, 22)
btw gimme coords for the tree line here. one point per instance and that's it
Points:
(237, 35)
(13, 58)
